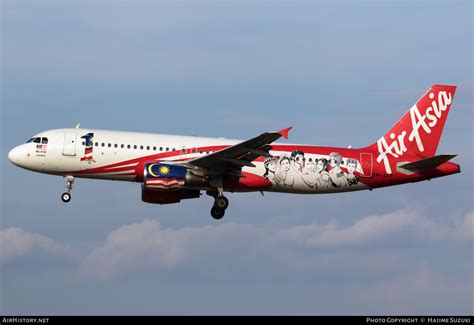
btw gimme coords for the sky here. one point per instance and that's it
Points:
(341, 73)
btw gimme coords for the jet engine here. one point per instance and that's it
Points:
(168, 177)
(167, 197)
(166, 183)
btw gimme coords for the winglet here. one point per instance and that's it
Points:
(284, 132)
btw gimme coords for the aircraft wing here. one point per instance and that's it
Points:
(231, 160)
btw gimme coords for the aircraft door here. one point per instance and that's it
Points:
(69, 148)
(366, 164)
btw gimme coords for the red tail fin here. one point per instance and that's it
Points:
(418, 132)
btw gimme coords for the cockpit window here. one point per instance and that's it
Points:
(31, 140)
(44, 140)
(37, 140)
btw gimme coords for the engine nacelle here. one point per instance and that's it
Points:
(168, 197)
(167, 177)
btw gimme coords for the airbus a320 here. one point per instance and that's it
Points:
(172, 168)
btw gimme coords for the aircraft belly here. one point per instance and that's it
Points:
(306, 190)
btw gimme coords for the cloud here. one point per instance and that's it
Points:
(15, 242)
(418, 291)
(148, 246)
(377, 228)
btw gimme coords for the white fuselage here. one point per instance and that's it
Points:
(110, 147)
(117, 155)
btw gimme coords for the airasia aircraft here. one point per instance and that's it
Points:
(172, 168)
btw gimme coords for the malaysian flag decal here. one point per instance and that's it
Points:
(164, 177)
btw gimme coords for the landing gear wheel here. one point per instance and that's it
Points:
(217, 213)
(221, 202)
(66, 197)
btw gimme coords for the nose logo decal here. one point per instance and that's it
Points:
(89, 142)
(41, 148)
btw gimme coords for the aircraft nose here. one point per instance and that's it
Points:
(14, 156)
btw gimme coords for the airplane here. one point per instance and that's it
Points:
(172, 168)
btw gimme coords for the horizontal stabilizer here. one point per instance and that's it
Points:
(428, 163)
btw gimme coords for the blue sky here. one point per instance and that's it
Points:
(341, 73)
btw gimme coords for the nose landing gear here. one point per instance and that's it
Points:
(66, 196)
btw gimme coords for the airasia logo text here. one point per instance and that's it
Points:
(397, 147)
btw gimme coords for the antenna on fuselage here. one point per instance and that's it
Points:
(78, 125)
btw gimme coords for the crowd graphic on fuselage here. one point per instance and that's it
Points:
(316, 172)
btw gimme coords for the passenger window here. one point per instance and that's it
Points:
(194, 150)
(207, 152)
(115, 145)
(103, 144)
(167, 149)
(135, 147)
(109, 145)
(174, 149)
(97, 144)
(37, 140)
(200, 151)
(183, 151)
(83, 143)
(147, 147)
(44, 140)
(154, 148)
(128, 146)
(141, 147)
(161, 148)
(121, 146)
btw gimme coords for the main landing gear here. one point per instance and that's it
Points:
(66, 196)
(220, 205)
